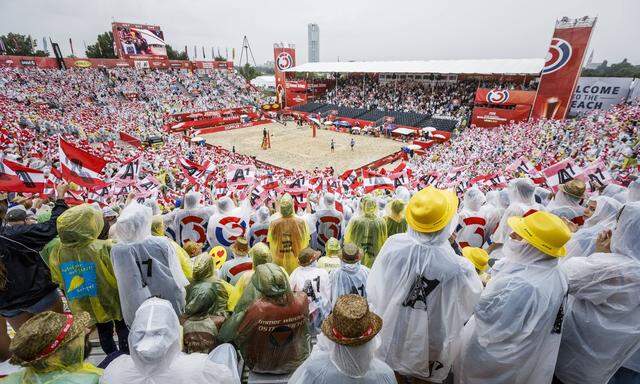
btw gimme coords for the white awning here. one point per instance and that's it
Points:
(479, 67)
(403, 131)
(428, 129)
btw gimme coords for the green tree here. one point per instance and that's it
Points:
(176, 55)
(103, 47)
(220, 58)
(21, 45)
(249, 72)
(621, 69)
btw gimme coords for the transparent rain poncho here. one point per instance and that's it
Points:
(601, 328)
(472, 224)
(288, 235)
(259, 229)
(514, 334)
(158, 229)
(564, 200)
(542, 195)
(492, 212)
(424, 294)
(633, 192)
(394, 217)
(81, 264)
(403, 194)
(154, 340)
(228, 223)
(328, 222)
(190, 223)
(348, 278)
(520, 192)
(612, 189)
(260, 254)
(314, 282)
(367, 230)
(583, 242)
(145, 265)
(334, 363)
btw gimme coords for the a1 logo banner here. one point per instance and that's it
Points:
(495, 181)
(257, 196)
(240, 175)
(596, 176)
(128, 173)
(454, 175)
(522, 167)
(430, 178)
(298, 185)
(560, 173)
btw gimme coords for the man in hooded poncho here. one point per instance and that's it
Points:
(367, 231)
(514, 334)
(396, 222)
(288, 235)
(601, 329)
(145, 265)
(270, 323)
(156, 357)
(422, 290)
(81, 265)
(191, 222)
(329, 222)
(471, 223)
(345, 352)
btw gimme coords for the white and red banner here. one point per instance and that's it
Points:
(240, 175)
(81, 167)
(561, 71)
(375, 180)
(132, 140)
(284, 57)
(596, 176)
(15, 177)
(560, 173)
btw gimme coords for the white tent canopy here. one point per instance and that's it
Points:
(480, 67)
(403, 131)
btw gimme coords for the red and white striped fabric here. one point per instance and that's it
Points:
(15, 177)
(374, 181)
(81, 167)
(560, 173)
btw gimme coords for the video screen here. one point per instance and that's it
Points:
(139, 41)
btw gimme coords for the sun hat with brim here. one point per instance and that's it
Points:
(543, 230)
(240, 247)
(307, 256)
(431, 209)
(574, 188)
(477, 256)
(351, 323)
(351, 253)
(44, 334)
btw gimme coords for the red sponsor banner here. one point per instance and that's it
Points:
(189, 116)
(562, 69)
(139, 41)
(233, 126)
(180, 64)
(228, 65)
(296, 98)
(485, 117)
(504, 97)
(296, 85)
(284, 58)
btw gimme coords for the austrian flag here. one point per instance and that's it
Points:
(81, 167)
(15, 177)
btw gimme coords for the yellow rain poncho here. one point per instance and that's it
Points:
(81, 264)
(287, 236)
(260, 254)
(157, 229)
(206, 286)
(367, 231)
(396, 222)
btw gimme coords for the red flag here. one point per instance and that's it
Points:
(373, 181)
(127, 138)
(15, 177)
(81, 167)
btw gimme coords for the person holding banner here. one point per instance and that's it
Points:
(288, 235)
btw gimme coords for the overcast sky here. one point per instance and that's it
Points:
(349, 29)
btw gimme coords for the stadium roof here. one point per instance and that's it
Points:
(478, 67)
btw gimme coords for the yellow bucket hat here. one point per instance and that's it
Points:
(543, 230)
(431, 209)
(477, 256)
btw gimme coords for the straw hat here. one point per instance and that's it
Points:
(477, 256)
(308, 256)
(240, 247)
(574, 188)
(431, 209)
(543, 230)
(351, 323)
(351, 254)
(44, 334)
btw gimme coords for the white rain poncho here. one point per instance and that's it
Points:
(583, 242)
(349, 278)
(190, 223)
(601, 328)
(154, 341)
(520, 193)
(566, 201)
(514, 334)
(145, 265)
(229, 223)
(542, 195)
(314, 282)
(612, 189)
(424, 294)
(403, 194)
(328, 222)
(633, 192)
(492, 212)
(258, 231)
(472, 223)
(332, 363)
